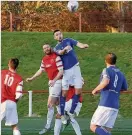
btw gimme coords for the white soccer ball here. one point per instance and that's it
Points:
(72, 5)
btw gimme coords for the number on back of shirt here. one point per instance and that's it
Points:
(115, 81)
(8, 80)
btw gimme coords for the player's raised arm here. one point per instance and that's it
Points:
(81, 45)
(38, 73)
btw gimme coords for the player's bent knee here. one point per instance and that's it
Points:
(78, 91)
(50, 106)
(14, 127)
(93, 128)
(64, 93)
(57, 103)
(58, 116)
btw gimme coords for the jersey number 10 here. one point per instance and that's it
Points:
(8, 80)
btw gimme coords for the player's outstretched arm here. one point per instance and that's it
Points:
(102, 85)
(82, 46)
(38, 73)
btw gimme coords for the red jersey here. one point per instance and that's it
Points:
(51, 64)
(11, 85)
(71, 93)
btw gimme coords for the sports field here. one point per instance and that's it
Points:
(27, 46)
(34, 125)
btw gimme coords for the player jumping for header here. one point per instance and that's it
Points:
(65, 48)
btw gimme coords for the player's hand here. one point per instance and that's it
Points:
(29, 79)
(68, 48)
(94, 92)
(51, 83)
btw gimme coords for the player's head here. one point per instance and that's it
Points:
(110, 59)
(13, 63)
(47, 49)
(58, 35)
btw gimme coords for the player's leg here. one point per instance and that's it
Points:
(102, 118)
(75, 99)
(74, 122)
(65, 88)
(15, 130)
(58, 108)
(76, 126)
(58, 124)
(62, 101)
(53, 100)
(78, 83)
(71, 119)
(55, 93)
(99, 130)
(12, 116)
(3, 110)
(50, 115)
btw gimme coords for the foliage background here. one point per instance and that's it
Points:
(45, 16)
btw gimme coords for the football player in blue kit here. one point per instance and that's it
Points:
(65, 48)
(112, 82)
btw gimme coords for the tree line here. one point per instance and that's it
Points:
(46, 16)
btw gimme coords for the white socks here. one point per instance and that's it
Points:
(50, 115)
(57, 126)
(74, 123)
(76, 126)
(16, 132)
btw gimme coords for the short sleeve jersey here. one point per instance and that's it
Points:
(69, 59)
(11, 85)
(117, 82)
(51, 64)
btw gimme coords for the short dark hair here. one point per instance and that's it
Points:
(14, 62)
(111, 58)
(55, 31)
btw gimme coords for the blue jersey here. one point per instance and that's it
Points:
(69, 59)
(110, 94)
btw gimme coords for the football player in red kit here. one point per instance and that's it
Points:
(52, 65)
(12, 84)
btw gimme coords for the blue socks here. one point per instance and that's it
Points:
(62, 104)
(102, 131)
(75, 101)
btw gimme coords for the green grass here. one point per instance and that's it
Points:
(27, 46)
(71, 133)
(30, 126)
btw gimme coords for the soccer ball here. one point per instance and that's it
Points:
(72, 5)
